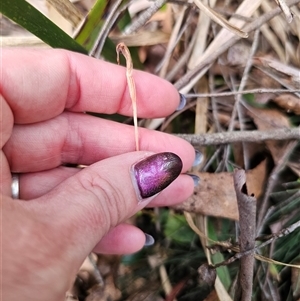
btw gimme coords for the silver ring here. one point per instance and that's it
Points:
(15, 186)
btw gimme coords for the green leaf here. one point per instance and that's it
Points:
(34, 21)
(92, 24)
(223, 271)
(178, 230)
(91, 28)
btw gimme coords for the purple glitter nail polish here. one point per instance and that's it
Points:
(156, 172)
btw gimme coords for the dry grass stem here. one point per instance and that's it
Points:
(272, 180)
(217, 47)
(285, 9)
(220, 20)
(252, 91)
(176, 34)
(103, 33)
(121, 47)
(273, 237)
(202, 32)
(238, 97)
(182, 60)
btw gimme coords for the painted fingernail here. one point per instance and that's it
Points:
(198, 158)
(155, 173)
(182, 102)
(196, 179)
(149, 240)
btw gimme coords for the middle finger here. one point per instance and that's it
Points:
(79, 138)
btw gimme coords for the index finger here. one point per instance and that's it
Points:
(40, 84)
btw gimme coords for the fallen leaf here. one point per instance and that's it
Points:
(238, 54)
(212, 296)
(289, 102)
(287, 72)
(270, 119)
(216, 196)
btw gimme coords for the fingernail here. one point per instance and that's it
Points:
(155, 173)
(196, 179)
(198, 158)
(149, 240)
(182, 102)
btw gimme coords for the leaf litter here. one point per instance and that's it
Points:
(200, 57)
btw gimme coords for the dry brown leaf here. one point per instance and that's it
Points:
(281, 68)
(270, 119)
(216, 196)
(212, 296)
(289, 102)
(273, 40)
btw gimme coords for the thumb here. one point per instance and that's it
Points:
(59, 229)
(87, 205)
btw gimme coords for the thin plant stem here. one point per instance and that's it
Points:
(121, 47)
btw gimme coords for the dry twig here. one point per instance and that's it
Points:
(220, 19)
(241, 136)
(144, 17)
(231, 93)
(271, 238)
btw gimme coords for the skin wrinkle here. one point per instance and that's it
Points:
(6, 118)
(98, 186)
(74, 87)
(73, 141)
(44, 143)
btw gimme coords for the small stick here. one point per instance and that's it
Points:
(121, 47)
(230, 93)
(241, 136)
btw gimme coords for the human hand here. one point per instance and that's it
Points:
(64, 213)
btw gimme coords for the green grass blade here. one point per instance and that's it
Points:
(93, 23)
(34, 21)
(92, 26)
(223, 271)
